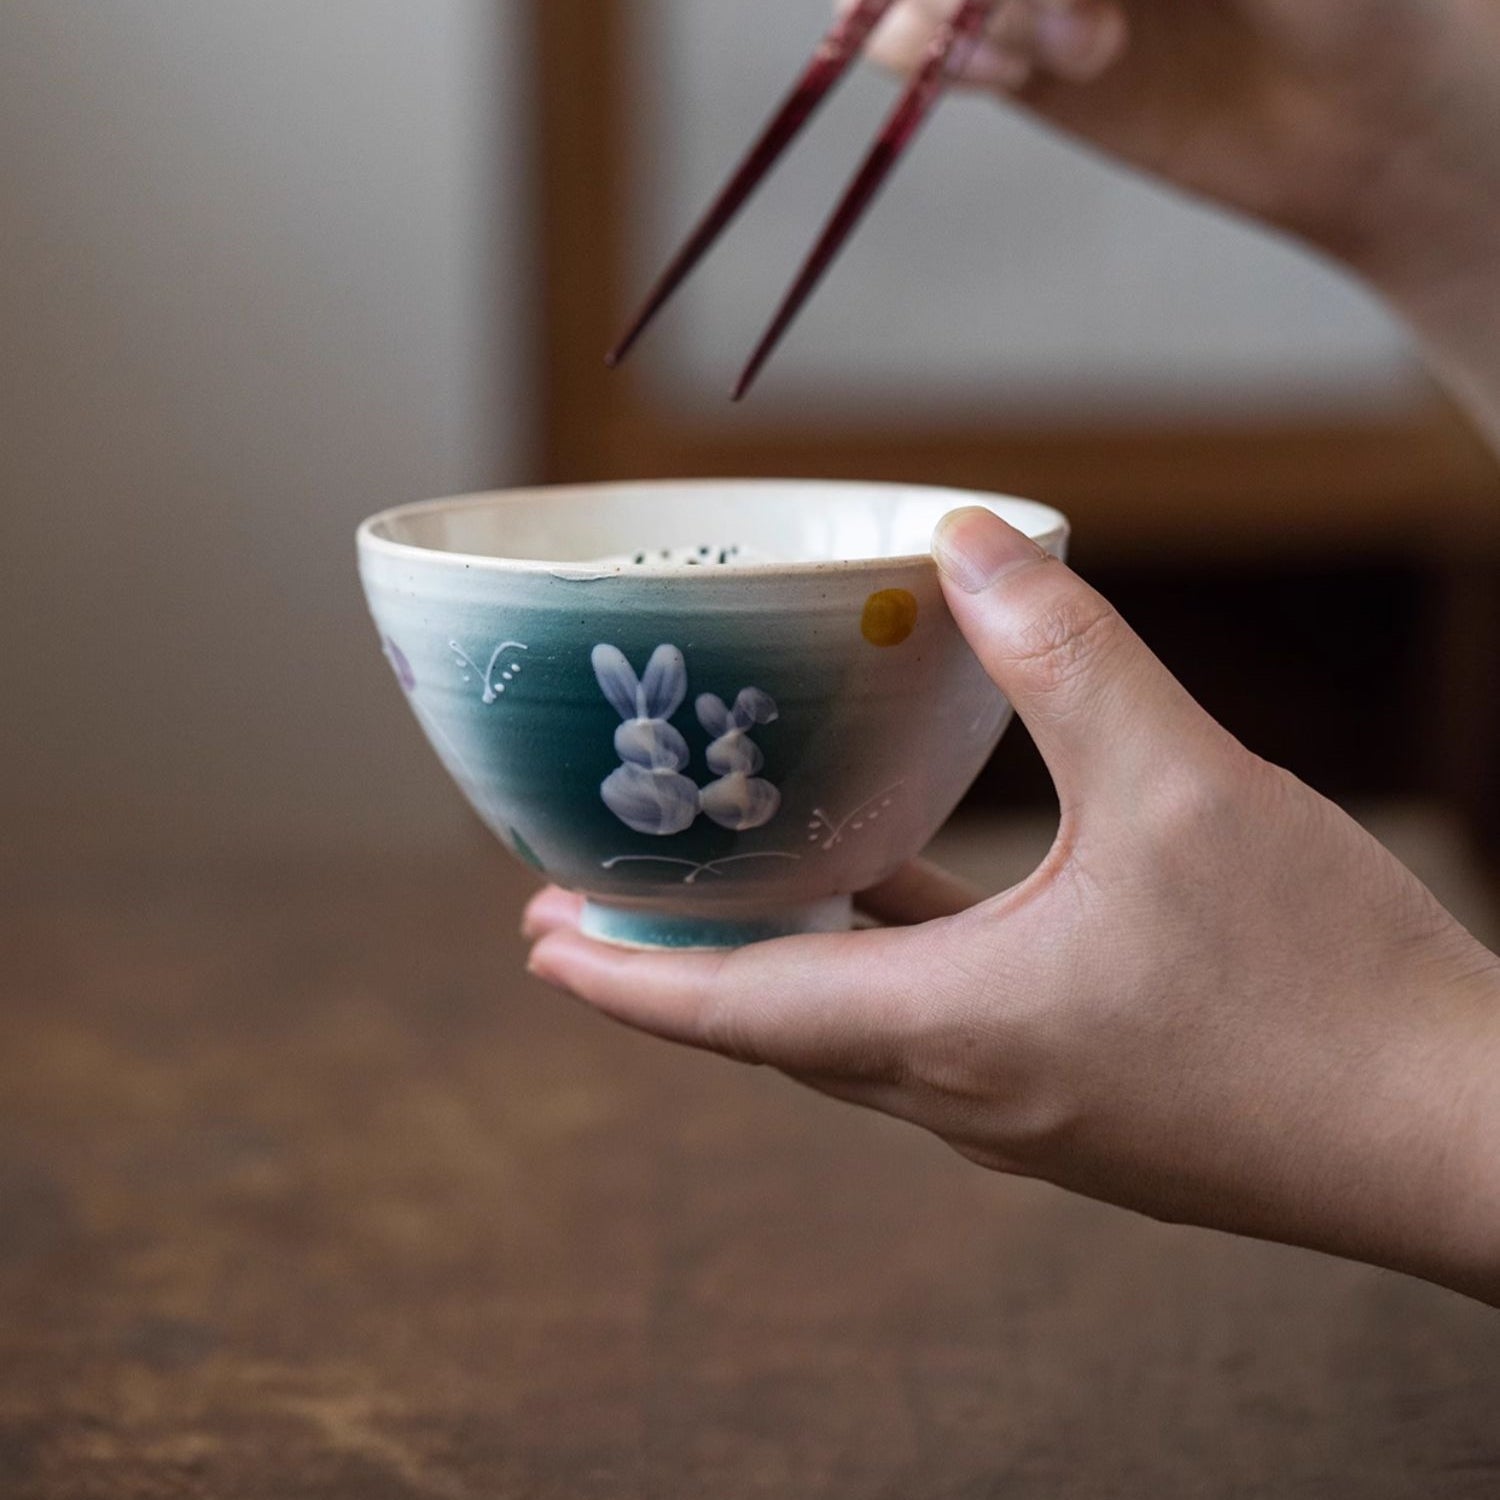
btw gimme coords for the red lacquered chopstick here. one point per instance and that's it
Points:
(946, 57)
(836, 53)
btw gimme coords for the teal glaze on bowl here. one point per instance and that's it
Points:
(711, 755)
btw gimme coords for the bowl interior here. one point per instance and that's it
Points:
(669, 525)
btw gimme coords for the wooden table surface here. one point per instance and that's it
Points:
(305, 1191)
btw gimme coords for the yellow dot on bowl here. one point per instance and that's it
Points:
(890, 617)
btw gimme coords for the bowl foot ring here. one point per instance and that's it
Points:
(642, 927)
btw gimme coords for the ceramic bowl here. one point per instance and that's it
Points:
(716, 709)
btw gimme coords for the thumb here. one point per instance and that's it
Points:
(1107, 716)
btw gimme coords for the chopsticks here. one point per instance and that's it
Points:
(832, 60)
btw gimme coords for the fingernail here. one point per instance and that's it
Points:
(1062, 35)
(1079, 45)
(974, 548)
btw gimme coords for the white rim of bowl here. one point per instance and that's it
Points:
(369, 542)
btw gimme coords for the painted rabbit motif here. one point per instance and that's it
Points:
(647, 792)
(739, 799)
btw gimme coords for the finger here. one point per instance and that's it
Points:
(843, 1004)
(551, 908)
(665, 994)
(918, 892)
(901, 42)
(1077, 40)
(1107, 716)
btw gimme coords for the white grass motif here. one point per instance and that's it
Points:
(491, 686)
(694, 871)
(824, 829)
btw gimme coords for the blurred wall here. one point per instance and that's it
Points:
(262, 271)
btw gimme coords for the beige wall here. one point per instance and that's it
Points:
(261, 272)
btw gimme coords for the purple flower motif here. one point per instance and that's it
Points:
(399, 664)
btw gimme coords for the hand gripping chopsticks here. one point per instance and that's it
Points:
(835, 55)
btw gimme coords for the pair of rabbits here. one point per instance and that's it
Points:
(648, 792)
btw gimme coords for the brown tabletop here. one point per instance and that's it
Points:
(305, 1191)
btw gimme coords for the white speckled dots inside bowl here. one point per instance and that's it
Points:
(717, 709)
